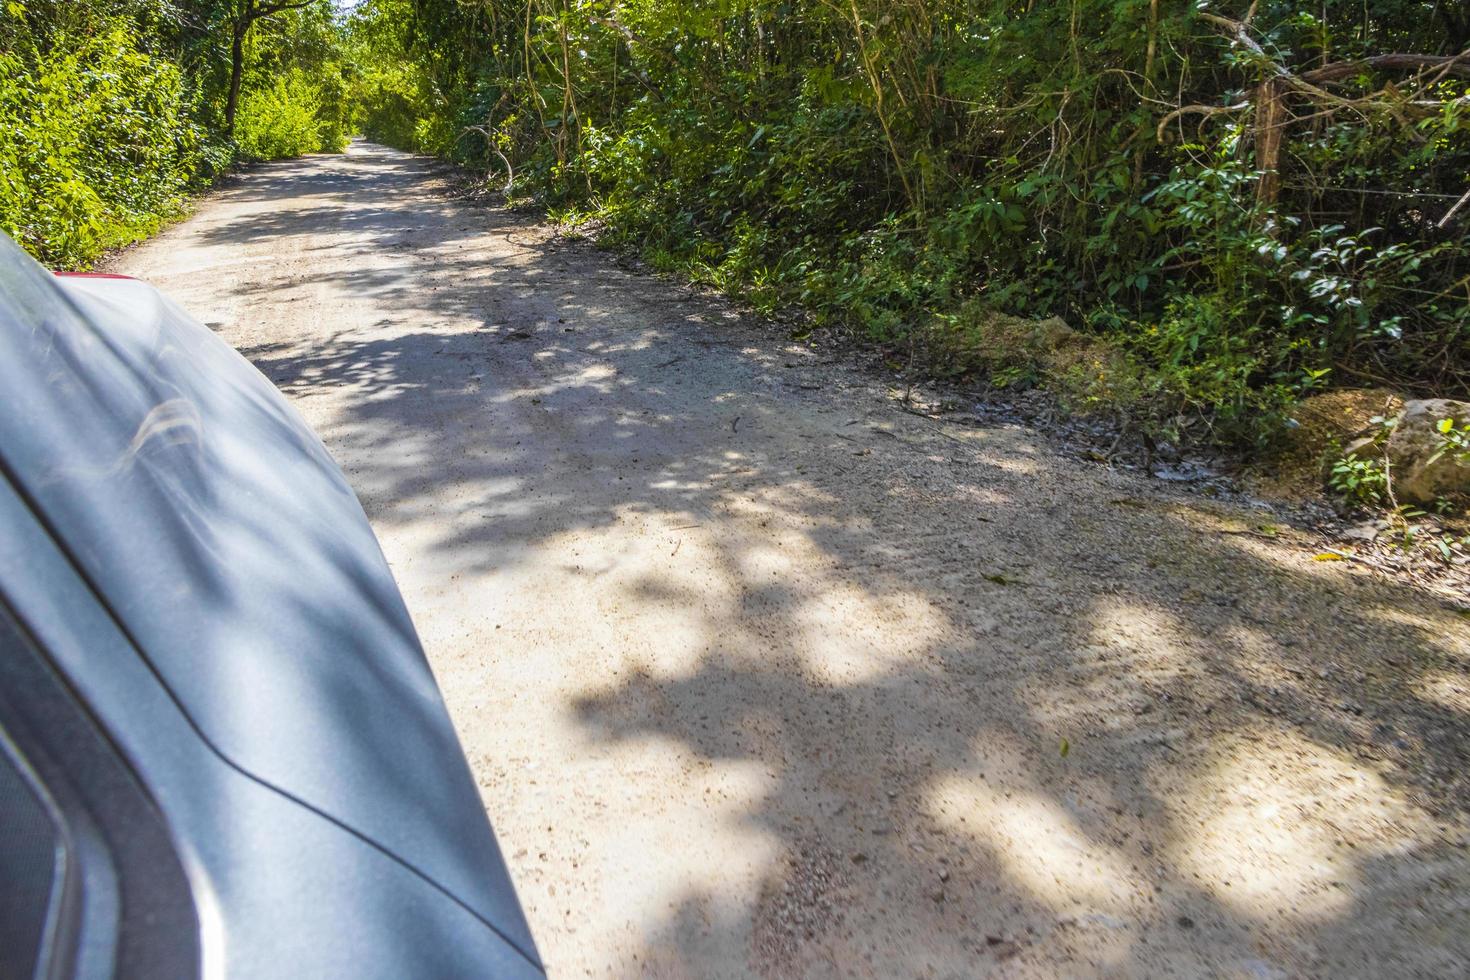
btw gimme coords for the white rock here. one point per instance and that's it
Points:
(1415, 440)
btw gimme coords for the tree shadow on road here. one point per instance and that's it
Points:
(1002, 709)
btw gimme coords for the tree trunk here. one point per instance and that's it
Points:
(1270, 119)
(237, 69)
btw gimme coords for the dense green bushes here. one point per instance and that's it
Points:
(110, 113)
(295, 98)
(100, 143)
(285, 118)
(1235, 213)
(1227, 214)
(396, 96)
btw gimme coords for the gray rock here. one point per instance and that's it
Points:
(1415, 439)
(1363, 532)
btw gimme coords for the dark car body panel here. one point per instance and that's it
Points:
(245, 644)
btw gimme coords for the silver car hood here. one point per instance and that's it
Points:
(229, 547)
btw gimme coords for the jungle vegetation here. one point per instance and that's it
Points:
(1187, 213)
(111, 111)
(1230, 203)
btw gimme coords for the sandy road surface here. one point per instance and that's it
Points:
(760, 675)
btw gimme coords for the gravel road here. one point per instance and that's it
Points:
(761, 675)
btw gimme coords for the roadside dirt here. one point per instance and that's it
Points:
(761, 675)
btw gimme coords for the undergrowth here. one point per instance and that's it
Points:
(1229, 206)
(111, 113)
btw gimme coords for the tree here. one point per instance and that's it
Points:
(249, 12)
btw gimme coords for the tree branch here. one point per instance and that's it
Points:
(1239, 33)
(1281, 80)
(255, 13)
(1446, 65)
(1198, 110)
(1450, 215)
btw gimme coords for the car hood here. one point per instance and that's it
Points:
(229, 547)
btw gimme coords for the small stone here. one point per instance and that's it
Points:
(1003, 949)
(1361, 532)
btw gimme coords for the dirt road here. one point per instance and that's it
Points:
(761, 675)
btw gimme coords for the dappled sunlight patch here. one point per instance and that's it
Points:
(1039, 844)
(1119, 620)
(489, 498)
(1272, 846)
(663, 621)
(1306, 563)
(634, 884)
(679, 486)
(1015, 466)
(793, 503)
(985, 498)
(595, 374)
(1447, 689)
(1133, 645)
(841, 646)
(1437, 625)
(1259, 658)
(791, 598)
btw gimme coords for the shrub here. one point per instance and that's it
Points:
(1359, 481)
(97, 143)
(1226, 240)
(282, 120)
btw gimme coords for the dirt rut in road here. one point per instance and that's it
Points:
(760, 675)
